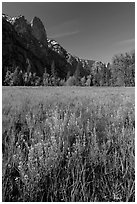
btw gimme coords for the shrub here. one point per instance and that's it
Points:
(88, 82)
(14, 78)
(62, 82)
(83, 81)
(71, 81)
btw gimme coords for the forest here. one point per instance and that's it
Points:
(121, 72)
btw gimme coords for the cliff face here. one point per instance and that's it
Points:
(26, 45)
(23, 45)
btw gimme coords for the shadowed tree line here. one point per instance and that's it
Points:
(121, 72)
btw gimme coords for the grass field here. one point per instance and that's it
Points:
(68, 144)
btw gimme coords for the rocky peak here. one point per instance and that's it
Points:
(20, 24)
(38, 30)
(23, 40)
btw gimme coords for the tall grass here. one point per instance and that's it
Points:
(73, 150)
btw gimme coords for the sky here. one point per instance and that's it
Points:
(88, 30)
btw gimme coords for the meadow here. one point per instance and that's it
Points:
(68, 144)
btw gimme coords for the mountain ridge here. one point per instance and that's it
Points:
(25, 44)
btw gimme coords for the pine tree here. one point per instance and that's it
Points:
(77, 73)
(8, 78)
(45, 78)
(53, 73)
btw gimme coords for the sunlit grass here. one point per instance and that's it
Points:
(78, 148)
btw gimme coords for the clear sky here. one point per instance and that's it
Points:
(89, 30)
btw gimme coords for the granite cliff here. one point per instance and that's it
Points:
(25, 44)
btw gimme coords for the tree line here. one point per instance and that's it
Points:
(121, 72)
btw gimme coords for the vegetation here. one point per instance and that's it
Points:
(68, 144)
(120, 73)
(123, 70)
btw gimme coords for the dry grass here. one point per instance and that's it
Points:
(68, 144)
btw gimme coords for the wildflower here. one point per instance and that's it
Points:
(20, 165)
(14, 157)
(26, 177)
(17, 179)
(9, 166)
